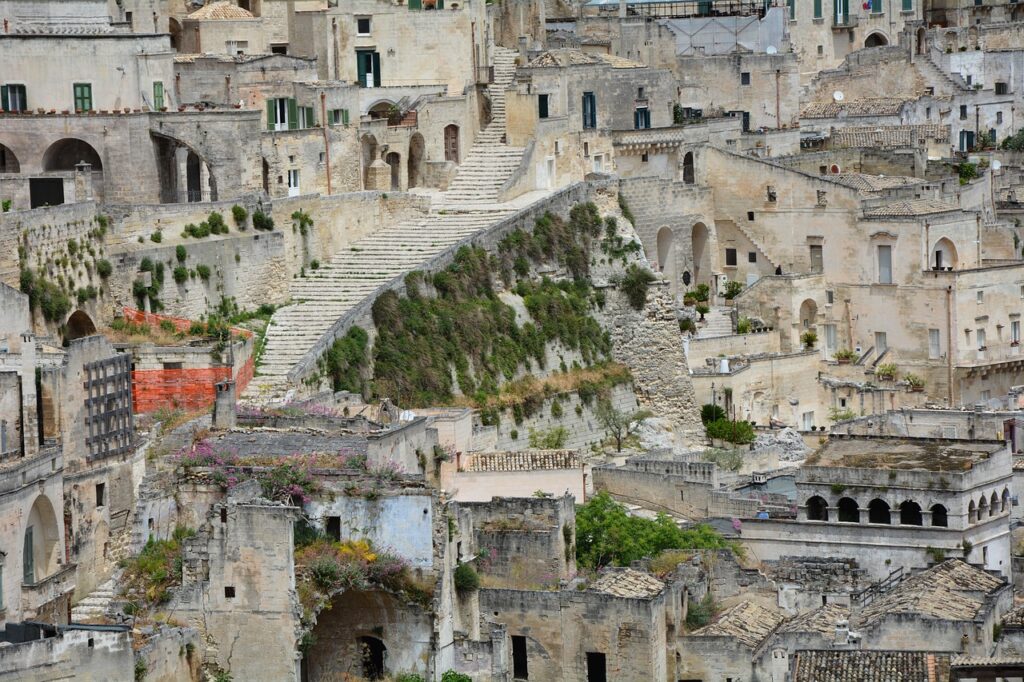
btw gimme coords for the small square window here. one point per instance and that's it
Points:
(750, 216)
(830, 297)
(745, 78)
(1002, 89)
(363, 26)
(229, 592)
(752, 256)
(644, 157)
(981, 296)
(730, 257)
(999, 117)
(101, 494)
(821, 50)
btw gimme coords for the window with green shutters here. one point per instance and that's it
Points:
(83, 97)
(589, 110)
(876, 6)
(792, 9)
(339, 117)
(13, 98)
(908, 5)
(158, 95)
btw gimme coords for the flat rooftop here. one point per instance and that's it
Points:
(903, 453)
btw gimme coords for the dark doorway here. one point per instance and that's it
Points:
(817, 509)
(596, 671)
(395, 161)
(519, 669)
(688, 174)
(910, 514)
(940, 517)
(372, 652)
(878, 512)
(451, 143)
(45, 192)
(334, 528)
(849, 511)
(192, 177)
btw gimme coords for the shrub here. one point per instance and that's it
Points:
(838, 415)
(845, 355)
(180, 274)
(217, 224)
(104, 268)
(314, 264)
(738, 432)
(204, 272)
(809, 338)
(913, 380)
(699, 614)
(702, 309)
(635, 284)
(732, 289)
(239, 214)
(5, 205)
(886, 371)
(156, 237)
(466, 578)
(687, 325)
(452, 676)
(261, 221)
(180, 253)
(556, 410)
(967, 172)
(743, 325)
(551, 439)
(702, 292)
(711, 413)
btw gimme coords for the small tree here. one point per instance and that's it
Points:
(732, 289)
(809, 338)
(618, 424)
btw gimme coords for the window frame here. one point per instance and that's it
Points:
(158, 95)
(85, 98)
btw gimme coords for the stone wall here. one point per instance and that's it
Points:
(172, 655)
(73, 654)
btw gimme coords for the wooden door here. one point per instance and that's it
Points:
(451, 143)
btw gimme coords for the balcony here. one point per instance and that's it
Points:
(36, 596)
(844, 23)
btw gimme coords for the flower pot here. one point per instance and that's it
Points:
(917, 389)
(843, 361)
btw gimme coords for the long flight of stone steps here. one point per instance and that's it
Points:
(469, 205)
(717, 322)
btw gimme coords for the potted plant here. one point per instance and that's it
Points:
(732, 290)
(845, 356)
(886, 371)
(915, 383)
(809, 338)
(702, 292)
(689, 299)
(702, 308)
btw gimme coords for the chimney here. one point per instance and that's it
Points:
(224, 415)
(842, 633)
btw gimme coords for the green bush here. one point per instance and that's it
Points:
(347, 361)
(180, 274)
(204, 272)
(836, 414)
(845, 355)
(551, 439)
(156, 237)
(732, 289)
(466, 578)
(5, 205)
(217, 224)
(809, 338)
(711, 413)
(687, 325)
(261, 221)
(314, 264)
(699, 614)
(180, 253)
(452, 676)
(702, 292)
(239, 214)
(635, 284)
(743, 325)
(738, 432)
(967, 171)
(104, 268)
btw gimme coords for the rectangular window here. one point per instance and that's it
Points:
(817, 262)
(28, 559)
(1002, 88)
(980, 296)
(752, 256)
(808, 420)
(817, 11)
(520, 670)
(282, 114)
(101, 494)
(542, 106)
(745, 78)
(596, 667)
(642, 118)
(885, 264)
(293, 183)
(158, 95)
(963, 112)
(999, 118)
(13, 98)
(730, 257)
(589, 110)
(876, 6)
(880, 343)
(363, 26)
(338, 116)
(83, 96)
(908, 5)
(306, 117)
(830, 339)
(1015, 331)
(980, 335)
(368, 66)
(830, 297)
(792, 9)
(934, 344)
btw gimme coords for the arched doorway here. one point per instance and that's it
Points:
(79, 325)
(940, 516)
(699, 237)
(8, 161)
(817, 509)
(394, 160)
(174, 28)
(849, 510)
(383, 109)
(416, 153)
(808, 314)
(944, 255)
(876, 40)
(878, 511)
(369, 147)
(910, 514)
(372, 652)
(688, 174)
(193, 177)
(922, 41)
(666, 255)
(40, 546)
(451, 143)
(64, 155)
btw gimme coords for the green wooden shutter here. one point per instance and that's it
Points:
(5, 103)
(270, 113)
(415, 4)
(310, 118)
(908, 5)
(792, 9)
(361, 64)
(344, 116)
(293, 114)
(817, 9)
(876, 6)
(158, 95)
(440, 4)
(376, 69)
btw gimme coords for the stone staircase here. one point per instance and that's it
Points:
(96, 605)
(944, 82)
(490, 161)
(717, 322)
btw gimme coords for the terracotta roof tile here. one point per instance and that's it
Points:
(889, 136)
(574, 57)
(879, 106)
(525, 460)
(628, 582)
(870, 666)
(822, 620)
(222, 9)
(875, 183)
(747, 622)
(910, 208)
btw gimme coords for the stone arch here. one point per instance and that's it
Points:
(817, 509)
(808, 314)
(369, 149)
(66, 153)
(174, 28)
(910, 514)
(943, 255)
(451, 143)
(849, 510)
(940, 516)
(381, 109)
(879, 512)
(40, 544)
(78, 325)
(876, 39)
(394, 159)
(922, 41)
(993, 506)
(416, 153)
(700, 238)
(972, 513)
(983, 512)
(1005, 502)
(666, 255)
(689, 176)
(185, 175)
(373, 653)
(8, 161)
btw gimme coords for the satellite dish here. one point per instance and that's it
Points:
(838, 95)
(771, 49)
(996, 164)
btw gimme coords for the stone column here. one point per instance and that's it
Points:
(83, 181)
(181, 163)
(224, 414)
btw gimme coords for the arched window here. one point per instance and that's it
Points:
(910, 514)
(688, 174)
(940, 517)
(817, 509)
(993, 507)
(64, 155)
(878, 512)
(944, 255)
(982, 509)
(849, 511)
(1005, 506)
(972, 513)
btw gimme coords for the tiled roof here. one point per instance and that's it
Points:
(875, 183)
(822, 621)
(988, 661)
(889, 136)
(1015, 618)
(747, 622)
(911, 207)
(525, 460)
(222, 9)
(573, 57)
(879, 106)
(627, 582)
(870, 666)
(953, 590)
